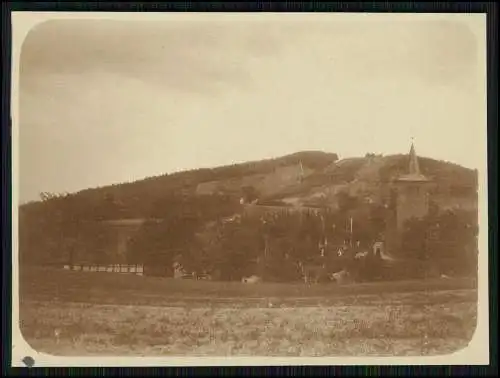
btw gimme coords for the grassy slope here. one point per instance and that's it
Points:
(142, 194)
(370, 174)
(275, 177)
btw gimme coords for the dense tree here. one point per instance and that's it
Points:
(446, 241)
(346, 202)
(204, 207)
(158, 243)
(250, 193)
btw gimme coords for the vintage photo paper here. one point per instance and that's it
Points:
(195, 189)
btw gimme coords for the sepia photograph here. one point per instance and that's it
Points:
(224, 186)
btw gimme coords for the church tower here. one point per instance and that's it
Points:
(412, 190)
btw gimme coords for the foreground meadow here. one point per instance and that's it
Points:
(72, 313)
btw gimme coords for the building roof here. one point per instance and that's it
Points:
(414, 174)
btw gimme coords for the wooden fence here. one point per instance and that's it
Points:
(114, 268)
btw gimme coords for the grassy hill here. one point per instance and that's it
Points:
(371, 178)
(49, 228)
(137, 199)
(304, 178)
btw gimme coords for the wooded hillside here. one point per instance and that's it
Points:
(193, 223)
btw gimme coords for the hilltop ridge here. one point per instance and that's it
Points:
(306, 178)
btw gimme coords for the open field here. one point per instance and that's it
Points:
(79, 313)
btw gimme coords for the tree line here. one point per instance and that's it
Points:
(211, 233)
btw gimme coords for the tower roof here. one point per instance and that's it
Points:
(413, 168)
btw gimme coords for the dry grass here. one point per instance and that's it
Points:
(221, 330)
(273, 320)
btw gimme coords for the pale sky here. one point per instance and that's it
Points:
(106, 101)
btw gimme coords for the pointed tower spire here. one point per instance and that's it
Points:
(414, 173)
(414, 168)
